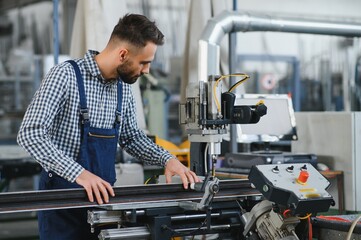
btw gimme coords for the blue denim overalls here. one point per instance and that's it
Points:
(97, 155)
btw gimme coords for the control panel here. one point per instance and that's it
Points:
(299, 187)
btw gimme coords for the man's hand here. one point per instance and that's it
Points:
(95, 186)
(175, 167)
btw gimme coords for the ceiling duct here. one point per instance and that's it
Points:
(231, 21)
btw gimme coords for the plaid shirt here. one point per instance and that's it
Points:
(51, 132)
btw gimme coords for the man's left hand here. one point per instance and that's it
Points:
(175, 167)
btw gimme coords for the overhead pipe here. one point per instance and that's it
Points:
(231, 21)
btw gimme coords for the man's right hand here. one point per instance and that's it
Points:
(95, 186)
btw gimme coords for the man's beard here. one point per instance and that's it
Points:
(126, 74)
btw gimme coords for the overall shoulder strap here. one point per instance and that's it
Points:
(120, 98)
(84, 113)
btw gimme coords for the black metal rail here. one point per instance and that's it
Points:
(77, 198)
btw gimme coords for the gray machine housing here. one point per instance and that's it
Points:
(278, 183)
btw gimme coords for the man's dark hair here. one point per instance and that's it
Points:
(137, 30)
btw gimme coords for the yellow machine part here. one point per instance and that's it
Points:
(181, 151)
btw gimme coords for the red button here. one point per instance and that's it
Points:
(302, 178)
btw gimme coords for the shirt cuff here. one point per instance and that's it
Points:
(165, 158)
(73, 172)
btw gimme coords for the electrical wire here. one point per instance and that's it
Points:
(231, 89)
(260, 102)
(334, 218)
(305, 217)
(308, 217)
(285, 213)
(238, 83)
(148, 180)
(353, 225)
(310, 234)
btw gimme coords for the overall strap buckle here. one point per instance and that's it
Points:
(117, 117)
(84, 113)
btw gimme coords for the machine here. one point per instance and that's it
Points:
(276, 206)
(206, 114)
(275, 202)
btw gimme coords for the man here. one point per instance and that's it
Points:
(82, 109)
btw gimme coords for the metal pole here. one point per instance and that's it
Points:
(55, 31)
(297, 85)
(232, 53)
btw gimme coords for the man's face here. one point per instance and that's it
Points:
(127, 72)
(137, 64)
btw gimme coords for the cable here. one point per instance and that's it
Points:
(334, 218)
(353, 225)
(305, 217)
(310, 234)
(231, 89)
(260, 102)
(285, 213)
(148, 180)
(238, 83)
(308, 217)
(215, 95)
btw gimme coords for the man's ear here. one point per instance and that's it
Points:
(123, 54)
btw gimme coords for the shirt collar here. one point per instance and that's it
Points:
(92, 66)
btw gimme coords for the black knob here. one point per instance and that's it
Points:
(275, 169)
(290, 168)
